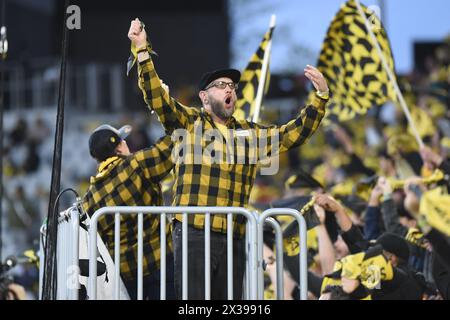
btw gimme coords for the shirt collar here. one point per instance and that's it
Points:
(105, 164)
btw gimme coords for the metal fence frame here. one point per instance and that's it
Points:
(68, 249)
(303, 270)
(207, 211)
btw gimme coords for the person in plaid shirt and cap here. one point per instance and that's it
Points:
(125, 179)
(229, 182)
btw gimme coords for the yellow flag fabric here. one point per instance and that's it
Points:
(423, 123)
(416, 237)
(351, 64)
(369, 269)
(402, 143)
(291, 244)
(436, 176)
(248, 85)
(435, 206)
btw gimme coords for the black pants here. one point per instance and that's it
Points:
(196, 264)
(151, 283)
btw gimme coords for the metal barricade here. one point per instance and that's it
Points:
(66, 255)
(303, 270)
(68, 248)
(251, 247)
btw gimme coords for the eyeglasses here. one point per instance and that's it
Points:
(222, 85)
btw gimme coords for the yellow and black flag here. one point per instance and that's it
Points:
(435, 207)
(248, 85)
(351, 64)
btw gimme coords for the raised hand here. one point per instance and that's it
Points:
(384, 185)
(137, 33)
(317, 78)
(327, 202)
(432, 159)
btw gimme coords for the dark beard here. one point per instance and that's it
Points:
(218, 109)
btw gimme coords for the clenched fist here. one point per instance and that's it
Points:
(137, 33)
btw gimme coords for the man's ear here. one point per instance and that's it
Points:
(202, 96)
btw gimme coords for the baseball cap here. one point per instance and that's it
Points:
(207, 78)
(104, 140)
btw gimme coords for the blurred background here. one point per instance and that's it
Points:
(190, 38)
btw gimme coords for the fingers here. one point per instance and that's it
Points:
(316, 77)
(312, 72)
(321, 200)
(314, 81)
(320, 213)
(313, 75)
(311, 68)
(318, 209)
(135, 28)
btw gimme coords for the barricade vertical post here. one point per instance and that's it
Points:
(254, 258)
(117, 256)
(75, 239)
(230, 256)
(184, 250)
(92, 292)
(248, 261)
(207, 256)
(41, 259)
(302, 239)
(279, 253)
(163, 257)
(303, 258)
(260, 261)
(140, 255)
(61, 261)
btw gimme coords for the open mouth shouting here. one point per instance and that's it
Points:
(228, 102)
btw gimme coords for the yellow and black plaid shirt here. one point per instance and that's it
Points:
(219, 184)
(132, 181)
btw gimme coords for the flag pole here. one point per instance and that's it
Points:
(3, 54)
(50, 286)
(262, 78)
(390, 75)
